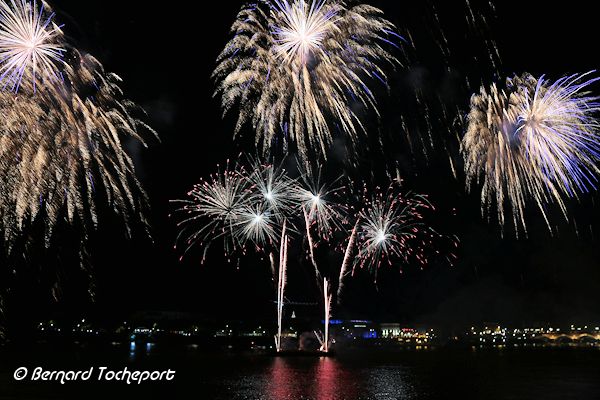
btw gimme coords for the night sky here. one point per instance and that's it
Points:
(166, 52)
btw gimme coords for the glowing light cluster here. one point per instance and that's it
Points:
(274, 190)
(238, 205)
(252, 204)
(255, 225)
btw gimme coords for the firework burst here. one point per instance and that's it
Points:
(30, 43)
(61, 151)
(242, 206)
(392, 228)
(255, 225)
(318, 202)
(303, 28)
(214, 208)
(534, 141)
(273, 189)
(294, 65)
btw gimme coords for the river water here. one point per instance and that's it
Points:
(468, 373)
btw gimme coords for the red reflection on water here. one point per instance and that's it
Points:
(333, 381)
(310, 378)
(281, 385)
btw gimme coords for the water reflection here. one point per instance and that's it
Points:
(282, 383)
(132, 348)
(444, 374)
(334, 381)
(391, 383)
(312, 378)
(137, 350)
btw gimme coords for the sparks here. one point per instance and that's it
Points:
(381, 238)
(392, 228)
(61, 151)
(303, 28)
(273, 189)
(256, 226)
(319, 203)
(298, 68)
(534, 141)
(30, 43)
(214, 209)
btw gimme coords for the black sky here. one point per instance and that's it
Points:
(165, 53)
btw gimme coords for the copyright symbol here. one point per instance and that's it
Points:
(20, 374)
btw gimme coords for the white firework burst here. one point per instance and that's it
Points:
(30, 43)
(303, 28)
(256, 226)
(532, 141)
(392, 229)
(318, 203)
(300, 69)
(213, 209)
(274, 189)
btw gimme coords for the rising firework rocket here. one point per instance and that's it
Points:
(321, 215)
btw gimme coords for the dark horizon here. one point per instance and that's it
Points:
(166, 55)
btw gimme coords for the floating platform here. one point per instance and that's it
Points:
(303, 353)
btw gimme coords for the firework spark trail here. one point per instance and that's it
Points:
(311, 246)
(532, 141)
(327, 297)
(323, 337)
(325, 216)
(346, 263)
(30, 43)
(243, 206)
(281, 284)
(294, 65)
(313, 200)
(320, 211)
(273, 265)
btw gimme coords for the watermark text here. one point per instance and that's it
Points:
(99, 374)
